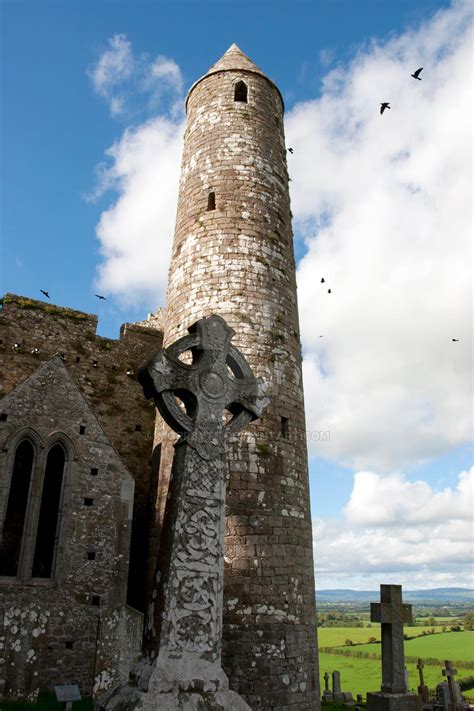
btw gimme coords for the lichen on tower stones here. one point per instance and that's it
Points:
(233, 256)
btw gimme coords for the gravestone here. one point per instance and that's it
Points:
(392, 613)
(187, 671)
(455, 700)
(336, 696)
(327, 696)
(422, 688)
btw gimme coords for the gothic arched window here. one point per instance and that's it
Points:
(46, 533)
(15, 516)
(240, 91)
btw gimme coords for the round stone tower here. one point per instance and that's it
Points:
(233, 256)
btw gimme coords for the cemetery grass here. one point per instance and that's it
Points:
(337, 636)
(456, 646)
(362, 675)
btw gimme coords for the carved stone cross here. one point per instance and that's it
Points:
(191, 574)
(392, 613)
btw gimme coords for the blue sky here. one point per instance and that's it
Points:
(403, 415)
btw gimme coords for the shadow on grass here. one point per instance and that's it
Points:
(46, 702)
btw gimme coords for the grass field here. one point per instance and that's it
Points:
(363, 675)
(443, 645)
(336, 636)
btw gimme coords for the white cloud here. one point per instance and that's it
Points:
(397, 531)
(384, 203)
(114, 66)
(136, 231)
(392, 499)
(132, 83)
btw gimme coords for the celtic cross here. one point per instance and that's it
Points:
(392, 613)
(192, 398)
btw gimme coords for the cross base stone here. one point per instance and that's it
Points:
(380, 701)
(185, 684)
(423, 691)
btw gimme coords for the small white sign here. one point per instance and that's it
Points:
(68, 692)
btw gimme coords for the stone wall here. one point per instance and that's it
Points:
(63, 628)
(233, 256)
(119, 643)
(104, 370)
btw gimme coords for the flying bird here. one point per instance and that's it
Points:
(329, 291)
(455, 339)
(290, 150)
(322, 280)
(416, 75)
(45, 293)
(384, 106)
(101, 297)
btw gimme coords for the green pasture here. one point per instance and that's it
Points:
(442, 645)
(336, 636)
(362, 675)
(447, 645)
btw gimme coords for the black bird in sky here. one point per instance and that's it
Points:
(455, 339)
(329, 291)
(101, 297)
(290, 150)
(416, 75)
(384, 106)
(45, 293)
(322, 280)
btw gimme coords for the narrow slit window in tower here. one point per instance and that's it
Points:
(211, 202)
(49, 513)
(240, 92)
(285, 427)
(16, 509)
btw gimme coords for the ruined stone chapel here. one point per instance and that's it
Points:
(85, 464)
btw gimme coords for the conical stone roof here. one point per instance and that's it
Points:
(234, 58)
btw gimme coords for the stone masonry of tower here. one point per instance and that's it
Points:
(233, 256)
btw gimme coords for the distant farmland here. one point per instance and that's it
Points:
(360, 675)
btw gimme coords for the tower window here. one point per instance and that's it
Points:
(211, 202)
(91, 555)
(285, 427)
(49, 513)
(82, 429)
(3, 416)
(16, 509)
(95, 600)
(94, 471)
(240, 92)
(88, 501)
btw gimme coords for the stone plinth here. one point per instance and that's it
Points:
(380, 701)
(175, 684)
